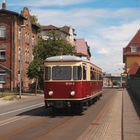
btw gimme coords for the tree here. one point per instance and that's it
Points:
(34, 20)
(46, 48)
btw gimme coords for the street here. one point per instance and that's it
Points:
(30, 120)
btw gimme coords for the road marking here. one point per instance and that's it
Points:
(39, 105)
(11, 120)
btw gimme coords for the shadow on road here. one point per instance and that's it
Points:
(135, 102)
(42, 112)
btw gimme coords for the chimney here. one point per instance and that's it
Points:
(4, 4)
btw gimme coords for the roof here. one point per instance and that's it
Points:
(49, 27)
(134, 68)
(127, 50)
(69, 58)
(135, 41)
(65, 58)
(81, 47)
(12, 12)
(136, 38)
(65, 29)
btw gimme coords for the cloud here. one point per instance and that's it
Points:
(107, 45)
(43, 3)
(106, 31)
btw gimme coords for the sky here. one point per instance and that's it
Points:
(107, 25)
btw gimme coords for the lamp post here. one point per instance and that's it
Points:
(20, 62)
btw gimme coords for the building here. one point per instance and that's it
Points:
(65, 32)
(82, 49)
(17, 39)
(112, 80)
(131, 56)
(68, 33)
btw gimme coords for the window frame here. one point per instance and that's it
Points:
(2, 50)
(2, 31)
(3, 74)
(134, 48)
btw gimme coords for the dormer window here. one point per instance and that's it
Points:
(2, 31)
(133, 48)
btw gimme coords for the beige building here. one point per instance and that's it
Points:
(65, 32)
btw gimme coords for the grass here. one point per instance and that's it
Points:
(8, 96)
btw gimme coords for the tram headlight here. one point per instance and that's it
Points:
(50, 93)
(72, 93)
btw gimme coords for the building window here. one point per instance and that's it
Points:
(2, 31)
(133, 48)
(2, 54)
(2, 77)
(33, 41)
(27, 55)
(19, 37)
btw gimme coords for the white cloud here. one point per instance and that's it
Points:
(40, 3)
(103, 51)
(106, 31)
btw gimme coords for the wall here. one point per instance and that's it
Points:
(130, 60)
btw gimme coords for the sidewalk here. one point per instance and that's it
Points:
(120, 122)
(131, 116)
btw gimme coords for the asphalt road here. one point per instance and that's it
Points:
(28, 119)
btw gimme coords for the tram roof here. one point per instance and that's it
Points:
(66, 58)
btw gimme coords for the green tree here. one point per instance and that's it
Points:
(46, 48)
(34, 20)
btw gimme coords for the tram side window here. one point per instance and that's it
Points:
(84, 73)
(47, 73)
(61, 73)
(77, 73)
(100, 77)
(95, 75)
(92, 75)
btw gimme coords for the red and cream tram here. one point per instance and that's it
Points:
(71, 81)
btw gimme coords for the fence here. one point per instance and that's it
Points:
(133, 84)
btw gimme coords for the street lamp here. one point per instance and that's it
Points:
(20, 62)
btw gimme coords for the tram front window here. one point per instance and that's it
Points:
(61, 73)
(77, 73)
(47, 73)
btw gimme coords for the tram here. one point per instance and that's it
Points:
(71, 82)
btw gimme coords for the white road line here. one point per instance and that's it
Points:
(39, 105)
(11, 120)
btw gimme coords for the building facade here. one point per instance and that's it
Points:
(65, 32)
(18, 36)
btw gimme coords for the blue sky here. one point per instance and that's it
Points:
(106, 25)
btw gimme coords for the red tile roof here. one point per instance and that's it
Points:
(81, 47)
(127, 50)
(49, 27)
(135, 41)
(134, 69)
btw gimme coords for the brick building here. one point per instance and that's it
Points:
(131, 56)
(17, 35)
